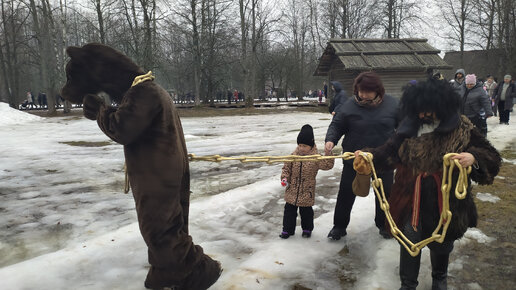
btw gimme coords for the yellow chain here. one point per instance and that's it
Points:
(412, 249)
(143, 78)
(270, 159)
(446, 215)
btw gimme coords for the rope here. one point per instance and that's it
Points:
(137, 80)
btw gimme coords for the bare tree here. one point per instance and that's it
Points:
(399, 15)
(43, 24)
(13, 20)
(456, 14)
(483, 19)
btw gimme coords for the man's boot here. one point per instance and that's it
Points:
(439, 270)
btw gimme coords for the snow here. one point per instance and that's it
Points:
(69, 226)
(10, 116)
(487, 197)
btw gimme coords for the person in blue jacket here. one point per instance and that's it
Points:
(339, 98)
(367, 119)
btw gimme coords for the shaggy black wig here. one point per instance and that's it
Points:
(433, 95)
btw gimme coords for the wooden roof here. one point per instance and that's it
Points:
(380, 54)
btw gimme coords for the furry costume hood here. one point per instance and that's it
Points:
(435, 96)
(94, 68)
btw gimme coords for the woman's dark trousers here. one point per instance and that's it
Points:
(346, 198)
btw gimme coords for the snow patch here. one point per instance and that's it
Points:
(487, 197)
(10, 116)
(478, 235)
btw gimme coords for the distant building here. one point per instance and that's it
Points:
(397, 61)
(478, 62)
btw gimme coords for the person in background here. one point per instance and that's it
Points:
(475, 103)
(490, 86)
(432, 127)
(367, 119)
(504, 95)
(30, 100)
(339, 98)
(458, 80)
(235, 96)
(325, 90)
(299, 180)
(438, 76)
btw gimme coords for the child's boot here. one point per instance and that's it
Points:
(306, 234)
(284, 235)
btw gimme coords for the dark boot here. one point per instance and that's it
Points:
(409, 269)
(336, 233)
(285, 235)
(306, 234)
(439, 270)
(205, 274)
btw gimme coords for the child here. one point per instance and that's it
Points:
(299, 179)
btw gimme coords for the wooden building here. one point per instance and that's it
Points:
(478, 62)
(397, 61)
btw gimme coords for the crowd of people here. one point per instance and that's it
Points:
(483, 99)
(412, 134)
(40, 102)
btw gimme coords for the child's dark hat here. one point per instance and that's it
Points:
(306, 136)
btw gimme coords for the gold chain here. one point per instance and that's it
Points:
(446, 215)
(270, 159)
(412, 249)
(143, 78)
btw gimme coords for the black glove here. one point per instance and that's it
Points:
(91, 106)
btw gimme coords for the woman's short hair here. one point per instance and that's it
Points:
(368, 82)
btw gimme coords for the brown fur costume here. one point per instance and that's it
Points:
(415, 155)
(148, 126)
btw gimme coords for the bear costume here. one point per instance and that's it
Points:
(147, 124)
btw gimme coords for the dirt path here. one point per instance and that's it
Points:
(491, 265)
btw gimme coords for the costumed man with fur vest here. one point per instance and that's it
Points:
(147, 124)
(432, 127)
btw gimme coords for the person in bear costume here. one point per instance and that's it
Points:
(431, 127)
(147, 124)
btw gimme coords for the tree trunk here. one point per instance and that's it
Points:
(197, 53)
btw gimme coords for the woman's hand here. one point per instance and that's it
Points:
(328, 146)
(465, 159)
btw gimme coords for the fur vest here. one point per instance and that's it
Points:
(424, 154)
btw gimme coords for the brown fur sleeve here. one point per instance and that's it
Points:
(326, 164)
(486, 156)
(385, 157)
(136, 112)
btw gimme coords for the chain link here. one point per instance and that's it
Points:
(438, 234)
